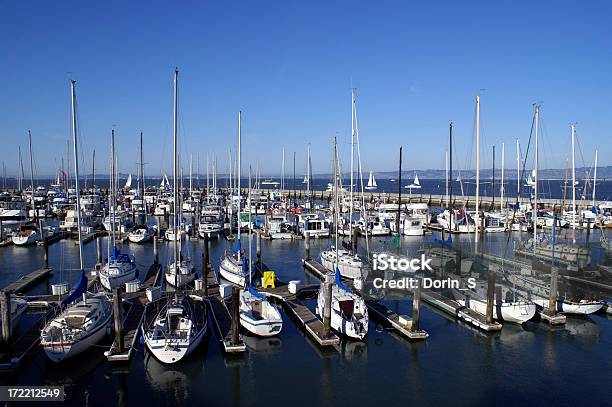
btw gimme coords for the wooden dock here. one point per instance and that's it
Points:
(134, 308)
(28, 280)
(405, 329)
(457, 310)
(221, 317)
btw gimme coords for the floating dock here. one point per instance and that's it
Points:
(457, 310)
(376, 308)
(221, 316)
(134, 308)
(302, 314)
(28, 280)
(24, 345)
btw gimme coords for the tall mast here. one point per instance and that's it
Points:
(207, 176)
(250, 226)
(352, 160)
(573, 127)
(450, 168)
(399, 198)
(142, 181)
(477, 231)
(518, 170)
(594, 179)
(34, 212)
(308, 171)
(537, 166)
(336, 201)
(175, 171)
(239, 173)
(113, 186)
(76, 170)
(93, 171)
(446, 175)
(283, 172)
(190, 175)
(493, 181)
(20, 171)
(501, 187)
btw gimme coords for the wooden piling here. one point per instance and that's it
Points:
(99, 250)
(306, 246)
(552, 295)
(155, 250)
(328, 286)
(355, 238)
(5, 310)
(490, 295)
(416, 305)
(235, 314)
(118, 317)
(46, 253)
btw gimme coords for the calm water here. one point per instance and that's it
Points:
(547, 188)
(457, 365)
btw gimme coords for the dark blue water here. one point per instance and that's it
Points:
(554, 189)
(456, 365)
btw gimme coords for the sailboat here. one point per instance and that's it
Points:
(175, 325)
(257, 315)
(371, 182)
(349, 264)
(119, 268)
(416, 184)
(181, 271)
(84, 318)
(349, 313)
(233, 266)
(128, 183)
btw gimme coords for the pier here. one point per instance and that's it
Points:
(28, 280)
(227, 332)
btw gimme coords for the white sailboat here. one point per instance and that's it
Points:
(128, 183)
(174, 327)
(416, 184)
(84, 319)
(181, 271)
(119, 268)
(257, 315)
(371, 182)
(233, 264)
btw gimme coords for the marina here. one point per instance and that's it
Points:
(191, 214)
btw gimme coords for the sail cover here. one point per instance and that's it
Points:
(256, 294)
(339, 282)
(79, 289)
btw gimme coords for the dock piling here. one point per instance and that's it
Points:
(416, 305)
(328, 283)
(235, 314)
(98, 251)
(155, 250)
(552, 295)
(5, 310)
(117, 315)
(490, 295)
(306, 246)
(46, 254)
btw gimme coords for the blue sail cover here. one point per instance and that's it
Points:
(119, 257)
(237, 245)
(448, 242)
(256, 294)
(79, 289)
(339, 282)
(245, 265)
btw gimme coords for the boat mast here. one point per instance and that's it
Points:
(308, 171)
(113, 185)
(446, 175)
(518, 171)
(175, 171)
(573, 127)
(142, 181)
(493, 182)
(450, 168)
(76, 170)
(336, 200)
(250, 227)
(399, 200)
(535, 199)
(207, 176)
(352, 164)
(190, 175)
(93, 171)
(283, 172)
(594, 179)
(20, 171)
(238, 176)
(477, 231)
(34, 212)
(501, 187)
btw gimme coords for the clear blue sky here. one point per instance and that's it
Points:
(290, 65)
